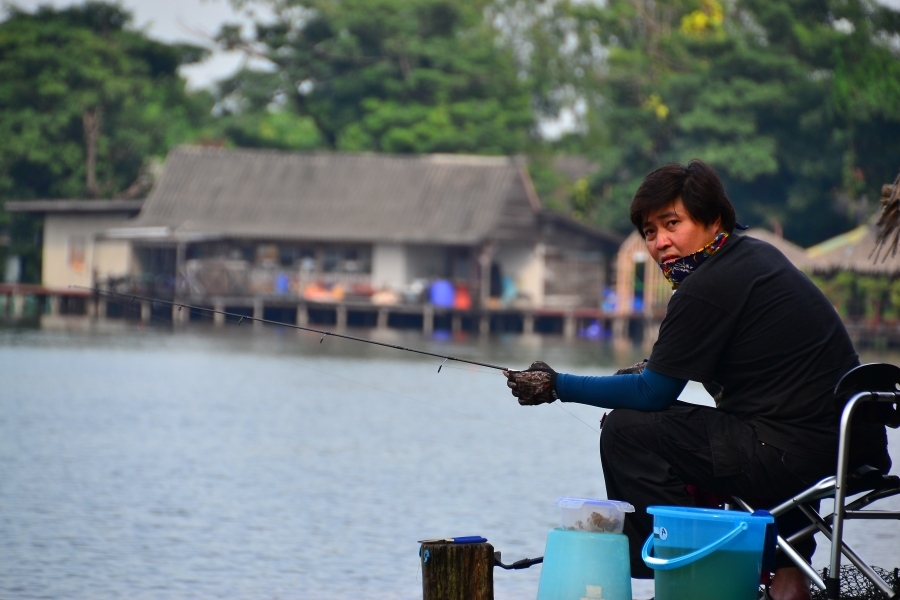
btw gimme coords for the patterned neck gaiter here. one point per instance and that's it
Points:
(677, 270)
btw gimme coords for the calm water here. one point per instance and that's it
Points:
(262, 464)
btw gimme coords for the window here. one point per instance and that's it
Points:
(347, 260)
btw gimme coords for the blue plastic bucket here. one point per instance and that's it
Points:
(585, 564)
(704, 553)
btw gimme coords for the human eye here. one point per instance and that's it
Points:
(649, 233)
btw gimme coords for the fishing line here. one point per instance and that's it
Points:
(323, 333)
(574, 416)
(208, 312)
(126, 306)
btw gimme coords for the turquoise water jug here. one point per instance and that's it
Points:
(585, 564)
(704, 553)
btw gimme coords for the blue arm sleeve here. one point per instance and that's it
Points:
(647, 391)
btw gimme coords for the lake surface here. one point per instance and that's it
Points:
(261, 463)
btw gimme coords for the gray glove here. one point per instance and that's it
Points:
(533, 386)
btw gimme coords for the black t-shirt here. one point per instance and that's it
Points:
(749, 323)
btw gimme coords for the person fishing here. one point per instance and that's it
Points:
(762, 339)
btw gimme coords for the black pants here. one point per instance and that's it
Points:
(649, 457)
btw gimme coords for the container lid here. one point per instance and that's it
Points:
(709, 514)
(576, 503)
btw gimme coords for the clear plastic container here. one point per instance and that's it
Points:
(591, 514)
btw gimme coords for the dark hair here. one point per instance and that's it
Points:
(700, 189)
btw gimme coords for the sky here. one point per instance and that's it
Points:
(194, 21)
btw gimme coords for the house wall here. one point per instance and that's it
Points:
(395, 266)
(389, 266)
(73, 257)
(524, 263)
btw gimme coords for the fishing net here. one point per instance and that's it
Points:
(854, 585)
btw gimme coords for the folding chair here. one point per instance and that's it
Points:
(874, 392)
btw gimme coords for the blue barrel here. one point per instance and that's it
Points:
(585, 564)
(704, 553)
(441, 293)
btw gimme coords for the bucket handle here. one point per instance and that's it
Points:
(666, 564)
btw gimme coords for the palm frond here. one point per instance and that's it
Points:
(888, 222)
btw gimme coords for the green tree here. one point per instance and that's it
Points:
(795, 103)
(85, 102)
(384, 75)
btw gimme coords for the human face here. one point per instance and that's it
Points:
(670, 232)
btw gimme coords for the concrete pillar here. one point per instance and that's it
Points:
(218, 317)
(382, 320)
(341, 317)
(428, 319)
(302, 315)
(484, 324)
(528, 323)
(258, 311)
(18, 306)
(55, 303)
(569, 325)
(146, 312)
(456, 322)
(101, 307)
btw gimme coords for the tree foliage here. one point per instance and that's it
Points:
(795, 103)
(85, 102)
(383, 75)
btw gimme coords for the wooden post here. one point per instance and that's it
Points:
(528, 323)
(457, 571)
(180, 315)
(258, 311)
(55, 305)
(302, 315)
(218, 317)
(101, 308)
(382, 321)
(569, 325)
(484, 324)
(18, 305)
(146, 311)
(428, 319)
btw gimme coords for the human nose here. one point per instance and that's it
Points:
(662, 241)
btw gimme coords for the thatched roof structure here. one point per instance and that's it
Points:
(856, 251)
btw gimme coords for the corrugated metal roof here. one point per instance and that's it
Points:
(448, 199)
(74, 206)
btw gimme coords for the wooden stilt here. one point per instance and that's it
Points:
(457, 571)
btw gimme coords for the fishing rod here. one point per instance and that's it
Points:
(322, 332)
